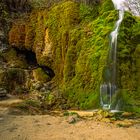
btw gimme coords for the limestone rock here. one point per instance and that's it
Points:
(48, 46)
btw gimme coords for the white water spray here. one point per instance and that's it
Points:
(128, 5)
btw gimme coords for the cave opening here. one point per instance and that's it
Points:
(47, 70)
(31, 60)
(29, 56)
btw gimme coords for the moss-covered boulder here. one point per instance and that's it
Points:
(40, 75)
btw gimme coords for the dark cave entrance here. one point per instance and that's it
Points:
(47, 70)
(31, 60)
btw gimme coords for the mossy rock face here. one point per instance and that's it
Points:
(88, 56)
(73, 40)
(79, 47)
(128, 62)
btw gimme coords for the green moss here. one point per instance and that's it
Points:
(40, 75)
(88, 57)
(106, 5)
(61, 20)
(88, 13)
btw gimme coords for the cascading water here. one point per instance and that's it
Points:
(109, 88)
(133, 6)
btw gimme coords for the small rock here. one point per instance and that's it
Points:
(1, 119)
(72, 119)
(37, 86)
(48, 124)
(3, 92)
(43, 89)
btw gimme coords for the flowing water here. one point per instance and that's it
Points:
(133, 6)
(109, 88)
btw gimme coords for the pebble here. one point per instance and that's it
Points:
(72, 119)
(1, 119)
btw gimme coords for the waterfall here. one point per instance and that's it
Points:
(133, 6)
(109, 87)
